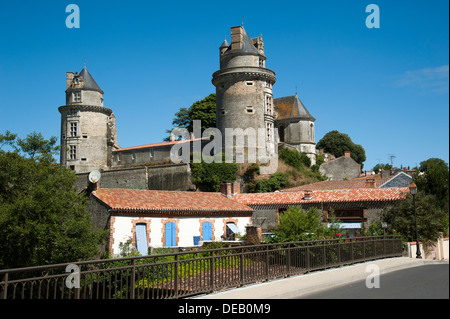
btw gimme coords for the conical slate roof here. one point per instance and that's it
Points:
(290, 107)
(247, 45)
(89, 82)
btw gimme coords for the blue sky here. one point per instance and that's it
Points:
(386, 88)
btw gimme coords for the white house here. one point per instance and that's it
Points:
(153, 218)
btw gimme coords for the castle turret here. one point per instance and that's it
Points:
(88, 130)
(244, 96)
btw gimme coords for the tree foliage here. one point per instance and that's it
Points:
(297, 224)
(275, 182)
(337, 144)
(431, 218)
(434, 179)
(43, 219)
(208, 176)
(378, 167)
(294, 158)
(203, 110)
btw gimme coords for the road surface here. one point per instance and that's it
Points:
(422, 282)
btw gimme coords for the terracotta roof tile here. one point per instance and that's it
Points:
(336, 184)
(325, 196)
(158, 144)
(154, 200)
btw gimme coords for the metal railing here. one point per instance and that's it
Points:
(177, 275)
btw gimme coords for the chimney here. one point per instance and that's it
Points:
(347, 154)
(237, 37)
(69, 79)
(235, 188)
(307, 195)
(370, 183)
(226, 189)
(230, 189)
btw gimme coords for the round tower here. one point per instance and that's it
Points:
(88, 132)
(244, 96)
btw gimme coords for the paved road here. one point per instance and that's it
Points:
(423, 282)
(297, 287)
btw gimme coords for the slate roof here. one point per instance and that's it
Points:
(247, 46)
(290, 107)
(400, 180)
(139, 200)
(89, 82)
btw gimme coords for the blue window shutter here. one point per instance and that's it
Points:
(207, 231)
(141, 239)
(170, 230)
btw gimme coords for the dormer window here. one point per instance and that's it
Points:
(77, 96)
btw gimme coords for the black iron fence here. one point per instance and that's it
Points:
(177, 275)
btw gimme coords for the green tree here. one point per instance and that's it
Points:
(43, 219)
(297, 224)
(385, 167)
(337, 144)
(433, 179)
(203, 110)
(431, 218)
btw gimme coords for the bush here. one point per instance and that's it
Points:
(275, 182)
(208, 176)
(294, 158)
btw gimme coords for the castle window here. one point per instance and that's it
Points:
(269, 108)
(152, 152)
(73, 129)
(222, 111)
(77, 96)
(249, 83)
(133, 156)
(73, 152)
(250, 110)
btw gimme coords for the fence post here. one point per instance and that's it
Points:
(364, 248)
(133, 280)
(324, 256)
(339, 253)
(288, 259)
(211, 274)
(307, 258)
(176, 276)
(241, 268)
(5, 286)
(267, 262)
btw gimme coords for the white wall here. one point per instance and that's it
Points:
(187, 228)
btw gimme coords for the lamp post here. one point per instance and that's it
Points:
(413, 191)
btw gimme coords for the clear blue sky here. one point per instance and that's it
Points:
(386, 88)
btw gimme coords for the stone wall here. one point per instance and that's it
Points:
(167, 177)
(341, 168)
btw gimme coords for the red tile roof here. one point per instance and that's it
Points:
(158, 144)
(325, 196)
(336, 184)
(167, 201)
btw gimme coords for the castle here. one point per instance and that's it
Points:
(244, 99)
